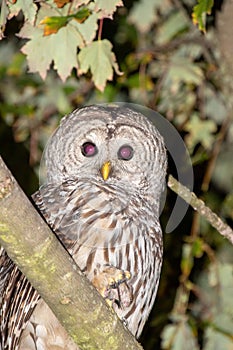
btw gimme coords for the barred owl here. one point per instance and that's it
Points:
(105, 172)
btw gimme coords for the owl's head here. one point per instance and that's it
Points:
(111, 144)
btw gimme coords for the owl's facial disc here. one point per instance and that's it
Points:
(125, 152)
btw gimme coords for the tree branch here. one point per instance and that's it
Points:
(201, 208)
(39, 255)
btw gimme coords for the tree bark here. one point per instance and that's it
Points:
(37, 252)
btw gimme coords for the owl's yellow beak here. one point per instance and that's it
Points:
(105, 170)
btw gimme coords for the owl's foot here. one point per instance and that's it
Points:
(112, 284)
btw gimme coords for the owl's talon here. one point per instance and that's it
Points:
(112, 284)
(119, 279)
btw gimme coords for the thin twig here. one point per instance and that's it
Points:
(100, 28)
(201, 208)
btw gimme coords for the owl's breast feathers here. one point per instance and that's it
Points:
(103, 223)
(94, 214)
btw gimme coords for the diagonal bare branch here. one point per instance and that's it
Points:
(36, 251)
(201, 208)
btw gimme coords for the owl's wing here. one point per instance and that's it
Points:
(17, 302)
(55, 203)
(41, 198)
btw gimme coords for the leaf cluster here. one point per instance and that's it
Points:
(62, 33)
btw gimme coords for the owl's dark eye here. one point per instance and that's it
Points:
(125, 152)
(89, 149)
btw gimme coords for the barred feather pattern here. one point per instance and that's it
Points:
(100, 222)
(17, 302)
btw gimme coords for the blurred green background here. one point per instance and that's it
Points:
(170, 66)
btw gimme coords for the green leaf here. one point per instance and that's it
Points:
(198, 248)
(215, 104)
(216, 304)
(88, 28)
(99, 58)
(182, 70)
(176, 23)
(50, 50)
(28, 8)
(200, 11)
(81, 15)
(106, 7)
(16, 65)
(228, 206)
(200, 131)
(179, 336)
(187, 259)
(3, 18)
(168, 335)
(217, 340)
(143, 14)
(224, 167)
(55, 96)
(225, 281)
(54, 23)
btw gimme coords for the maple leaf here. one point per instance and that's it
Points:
(200, 131)
(99, 58)
(28, 7)
(106, 7)
(199, 13)
(60, 48)
(54, 23)
(88, 28)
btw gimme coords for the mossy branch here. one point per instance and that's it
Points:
(36, 251)
(201, 208)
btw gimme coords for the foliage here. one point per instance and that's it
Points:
(167, 65)
(199, 13)
(200, 131)
(97, 57)
(70, 23)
